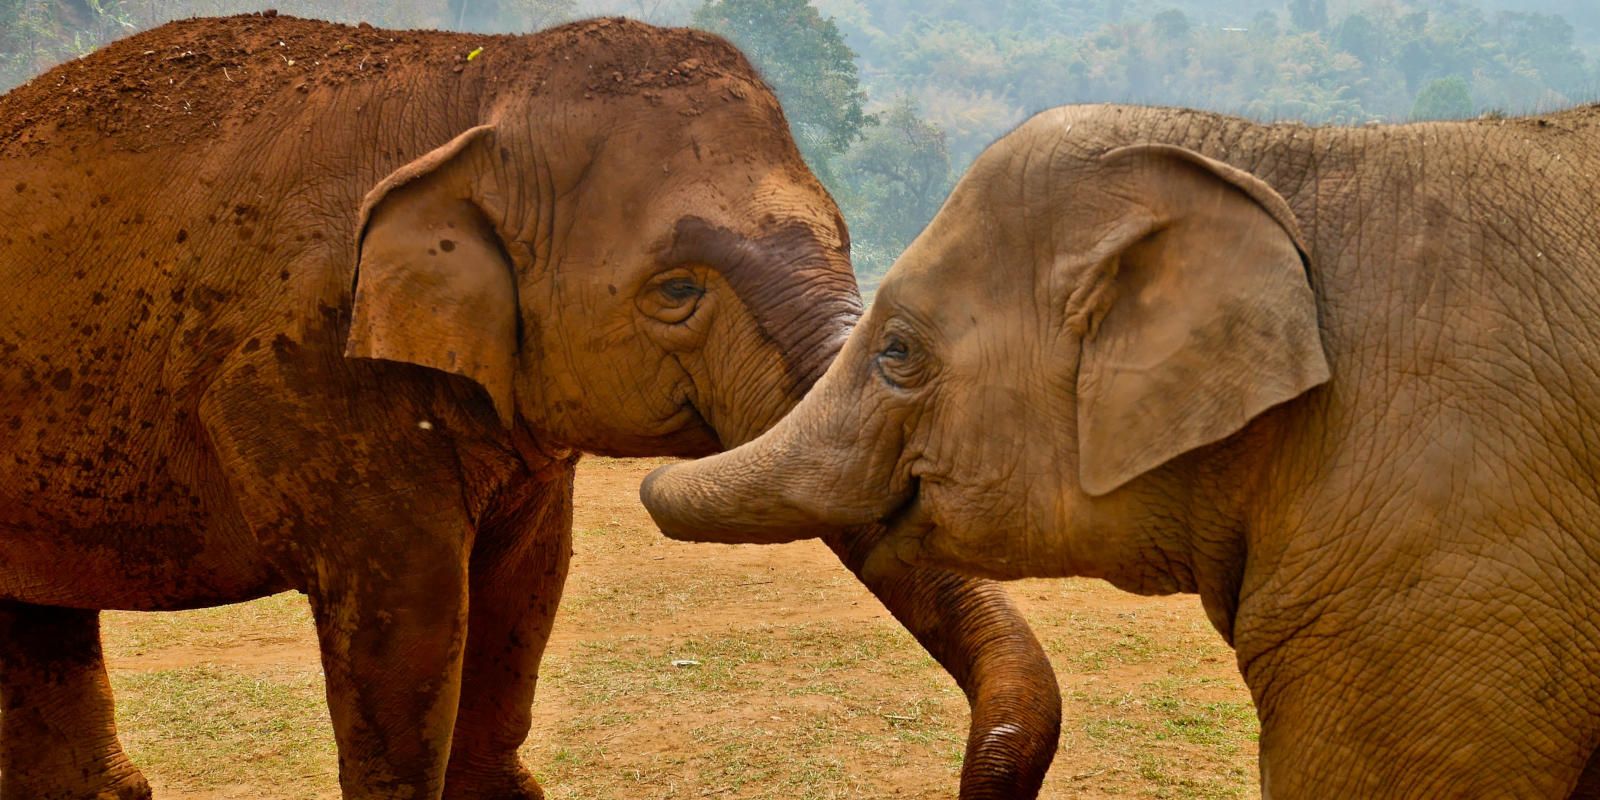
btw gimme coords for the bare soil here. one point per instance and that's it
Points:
(681, 670)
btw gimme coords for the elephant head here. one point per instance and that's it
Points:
(615, 284)
(1045, 375)
(652, 270)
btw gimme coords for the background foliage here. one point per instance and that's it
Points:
(890, 99)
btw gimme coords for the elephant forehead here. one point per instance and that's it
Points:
(798, 288)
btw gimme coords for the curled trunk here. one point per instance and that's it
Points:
(975, 632)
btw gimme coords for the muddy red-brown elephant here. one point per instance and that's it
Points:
(294, 305)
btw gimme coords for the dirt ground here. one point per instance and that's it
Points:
(689, 671)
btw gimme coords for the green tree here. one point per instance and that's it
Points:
(1359, 36)
(1545, 43)
(1171, 24)
(1446, 98)
(1264, 24)
(1308, 15)
(898, 175)
(1415, 63)
(35, 35)
(804, 58)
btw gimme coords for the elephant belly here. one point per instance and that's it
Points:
(131, 565)
(131, 528)
(140, 528)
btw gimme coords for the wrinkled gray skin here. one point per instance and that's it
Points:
(1341, 383)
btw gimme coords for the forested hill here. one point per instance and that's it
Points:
(890, 99)
(978, 68)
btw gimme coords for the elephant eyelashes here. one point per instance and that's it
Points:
(896, 350)
(901, 363)
(673, 297)
(681, 290)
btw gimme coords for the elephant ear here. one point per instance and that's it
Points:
(1209, 319)
(433, 284)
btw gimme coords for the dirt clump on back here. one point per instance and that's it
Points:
(190, 78)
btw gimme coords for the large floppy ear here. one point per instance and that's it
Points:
(433, 284)
(1209, 317)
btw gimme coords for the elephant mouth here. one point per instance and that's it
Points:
(694, 435)
(696, 420)
(911, 521)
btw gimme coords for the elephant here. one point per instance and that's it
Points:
(1340, 382)
(301, 306)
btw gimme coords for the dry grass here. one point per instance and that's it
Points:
(804, 687)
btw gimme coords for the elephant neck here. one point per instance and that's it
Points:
(1212, 527)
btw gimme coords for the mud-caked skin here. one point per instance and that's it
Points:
(291, 305)
(1341, 383)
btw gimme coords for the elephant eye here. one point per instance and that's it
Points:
(896, 349)
(901, 363)
(673, 297)
(681, 290)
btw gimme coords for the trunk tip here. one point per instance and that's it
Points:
(651, 496)
(689, 507)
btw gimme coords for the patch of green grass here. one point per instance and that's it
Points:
(281, 617)
(1182, 743)
(1170, 779)
(817, 660)
(569, 764)
(203, 727)
(1220, 726)
(1115, 730)
(768, 713)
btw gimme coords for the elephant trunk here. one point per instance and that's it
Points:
(801, 477)
(731, 498)
(973, 630)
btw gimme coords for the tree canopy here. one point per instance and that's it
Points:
(804, 58)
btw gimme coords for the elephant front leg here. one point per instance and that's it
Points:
(362, 508)
(392, 643)
(58, 737)
(519, 566)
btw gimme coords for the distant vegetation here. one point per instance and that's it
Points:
(892, 98)
(967, 72)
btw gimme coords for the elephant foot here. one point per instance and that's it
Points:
(58, 732)
(508, 783)
(134, 787)
(116, 781)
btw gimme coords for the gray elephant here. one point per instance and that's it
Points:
(293, 305)
(1343, 383)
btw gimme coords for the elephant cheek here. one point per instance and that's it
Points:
(935, 532)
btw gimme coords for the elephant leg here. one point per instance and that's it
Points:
(365, 510)
(391, 651)
(58, 735)
(519, 565)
